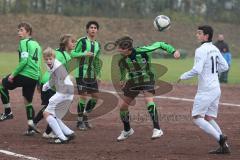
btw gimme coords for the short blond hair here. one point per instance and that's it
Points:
(49, 52)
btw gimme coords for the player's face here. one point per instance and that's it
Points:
(49, 60)
(201, 37)
(124, 52)
(92, 30)
(22, 33)
(71, 44)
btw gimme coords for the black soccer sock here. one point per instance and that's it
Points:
(30, 111)
(80, 108)
(48, 129)
(5, 100)
(125, 119)
(90, 105)
(154, 114)
(39, 116)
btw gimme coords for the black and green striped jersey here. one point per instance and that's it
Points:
(63, 57)
(137, 66)
(88, 66)
(30, 56)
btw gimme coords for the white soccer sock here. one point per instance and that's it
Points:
(6, 105)
(207, 127)
(55, 127)
(65, 129)
(215, 125)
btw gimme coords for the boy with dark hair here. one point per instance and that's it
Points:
(87, 51)
(136, 77)
(208, 63)
(26, 74)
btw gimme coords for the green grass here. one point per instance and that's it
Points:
(8, 61)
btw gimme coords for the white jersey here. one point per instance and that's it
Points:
(60, 79)
(208, 63)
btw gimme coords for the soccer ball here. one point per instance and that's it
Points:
(161, 22)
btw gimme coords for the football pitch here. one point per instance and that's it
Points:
(8, 62)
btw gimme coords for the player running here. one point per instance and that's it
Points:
(136, 77)
(60, 102)
(87, 53)
(208, 63)
(25, 75)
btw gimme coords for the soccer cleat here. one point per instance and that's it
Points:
(222, 140)
(88, 125)
(4, 116)
(81, 125)
(70, 136)
(29, 133)
(33, 127)
(157, 133)
(125, 134)
(221, 150)
(51, 135)
(58, 141)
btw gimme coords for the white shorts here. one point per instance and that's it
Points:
(206, 103)
(59, 104)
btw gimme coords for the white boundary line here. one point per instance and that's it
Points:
(192, 100)
(18, 155)
(181, 99)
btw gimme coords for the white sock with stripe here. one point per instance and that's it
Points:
(65, 129)
(53, 123)
(215, 125)
(207, 127)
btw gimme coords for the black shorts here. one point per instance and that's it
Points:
(87, 85)
(132, 89)
(46, 95)
(28, 85)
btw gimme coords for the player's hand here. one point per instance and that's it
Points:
(89, 54)
(176, 54)
(10, 78)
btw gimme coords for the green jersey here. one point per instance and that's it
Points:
(137, 66)
(87, 66)
(61, 56)
(30, 55)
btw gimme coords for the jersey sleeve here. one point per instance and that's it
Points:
(157, 45)
(199, 61)
(222, 64)
(98, 64)
(23, 57)
(77, 52)
(123, 71)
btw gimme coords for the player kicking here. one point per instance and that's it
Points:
(208, 63)
(87, 53)
(60, 102)
(26, 74)
(135, 63)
